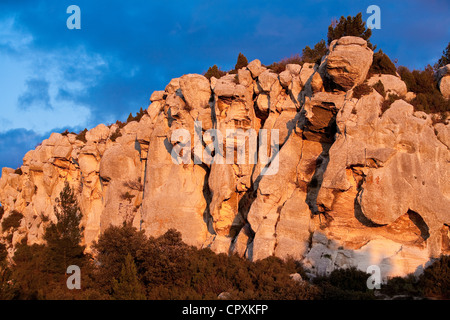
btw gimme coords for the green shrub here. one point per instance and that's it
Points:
(382, 64)
(137, 117)
(116, 135)
(344, 284)
(82, 135)
(423, 83)
(402, 286)
(3, 254)
(435, 280)
(215, 72)
(12, 221)
(419, 81)
(280, 66)
(128, 286)
(388, 101)
(379, 87)
(361, 90)
(170, 269)
(112, 247)
(64, 237)
(445, 59)
(127, 196)
(66, 133)
(44, 218)
(241, 62)
(314, 55)
(352, 26)
(431, 103)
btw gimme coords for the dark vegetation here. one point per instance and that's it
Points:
(382, 65)
(82, 135)
(241, 62)
(215, 72)
(361, 90)
(379, 87)
(128, 265)
(115, 135)
(433, 283)
(130, 118)
(12, 221)
(309, 55)
(67, 132)
(388, 101)
(423, 83)
(137, 117)
(345, 284)
(315, 54)
(280, 66)
(350, 26)
(445, 59)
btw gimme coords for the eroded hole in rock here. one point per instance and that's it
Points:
(420, 223)
(409, 228)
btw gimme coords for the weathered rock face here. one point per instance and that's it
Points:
(391, 84)
(349, 61)
(443, 76)
(343, 185)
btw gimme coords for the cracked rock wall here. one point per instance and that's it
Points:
(353, 186)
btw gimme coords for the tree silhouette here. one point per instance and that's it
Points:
(64, 237)
(445, 59)
(241, 62)
(314, 55)
(215, 72)
(128, 287)
(350, 26)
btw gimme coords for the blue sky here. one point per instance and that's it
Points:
(53, 78)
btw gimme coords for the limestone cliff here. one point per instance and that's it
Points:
(353, 186)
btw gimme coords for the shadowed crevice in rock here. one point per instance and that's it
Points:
(313, 187)
(359, 215)
(420, 223)
(207, 218)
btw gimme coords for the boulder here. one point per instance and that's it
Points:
(255, 68)
(100, 132)
(158, 95)
(173, 86)
(348, 61)
(293, 68)
(392, 84)
(444, 86)
(266, 80)
(196, 90)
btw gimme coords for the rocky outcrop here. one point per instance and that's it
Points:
(349, 61)
(342, 184)
(443, 76)
(391, 84)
